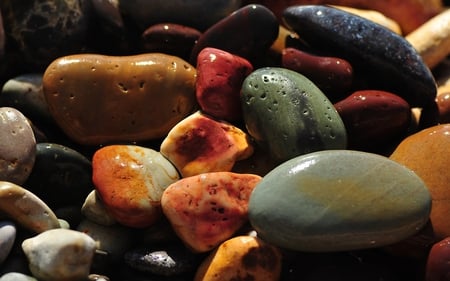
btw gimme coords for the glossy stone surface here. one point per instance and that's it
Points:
(288, 115)
(17, 146)
(334, 76)
(443, 103)
(61, 176)
(426, 153)
(99, 99)
(374, 118)
(207, 209)
(219, 80)
(389, 62)
(437, 267)
(130, 181)
(200, 144)
(258, 29)
(241, 258)
(26, 209)
(338, 200)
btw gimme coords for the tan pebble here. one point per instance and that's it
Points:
(241, 258)
(94, 209)
(26, 209)
(432, 39)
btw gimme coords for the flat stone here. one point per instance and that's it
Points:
(338, 200)
(207, 209)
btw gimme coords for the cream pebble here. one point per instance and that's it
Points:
(60, 254)
(94, 209)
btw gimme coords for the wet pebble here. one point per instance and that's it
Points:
(7, 239)
(338, 200)
(207, 209)
(130, 181)
(60, 254)
(288, 115)
(437, 266)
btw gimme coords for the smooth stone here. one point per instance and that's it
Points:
(26, 209)
(7, 239)
(17, 146)
(16, 276)
(374, 118)
(288, 115)
(98, 99)
(61, 176)
(338, 200)
(42, 31)
(242, 258)
(94, 210)
(219, 80)
(199, 14)
(443, 103)
(108, 12)
(386, 59)
(115, 240)
(98, 277)
(425, 152)
(334, 76)
(172, 260)
(130, 181)
(200, 144)
(258, 29)
(170, 38)
(437, 265)
(60, 254)
(207, 209)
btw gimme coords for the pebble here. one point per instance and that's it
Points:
(98, 99)
(18, 146)
(437, 266)
(219, 80)
(333, 76)
(130, 181)
(26, 209)
(425, 153)
(258, 30)
(7, 238)
(207, 209)
(443, 103)
(16, 276)
(390, 63)
(61, 176)
(200, 144)
(94, 210)
(338, 200)
(241, 258)
(60, 254)
(288, 115)
(374, 119)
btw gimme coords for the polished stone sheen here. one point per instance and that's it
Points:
(288, 115)
(98, 99)
(338, 200)
(130, 181)
(437, 267)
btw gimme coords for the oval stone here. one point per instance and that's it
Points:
(99, 99)
(7, 238)
(338, 200)
(288, 115)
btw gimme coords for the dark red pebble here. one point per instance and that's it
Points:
(438, 263)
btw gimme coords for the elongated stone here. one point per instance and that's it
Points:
(207, 209)
(338, 200)
(7, 238)
(130, 180)
(288, 115)
(98, 99)
(26, 209)
(389, 62)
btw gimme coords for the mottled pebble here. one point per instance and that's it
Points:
(7, 238)
(241, 258)
(16, 276)
(338, 200)
(60, 254)
(288, 115)
(94, 210)
(200, 144)
(26, 209)
(219, 80)
(209, 208)
(130, 181)
(98, 99)
(17, 146)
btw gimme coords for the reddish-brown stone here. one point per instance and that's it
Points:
(438, 263)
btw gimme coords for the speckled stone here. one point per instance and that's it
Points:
(288, 115)
(7, 238)
(338, 200)
(17, 146)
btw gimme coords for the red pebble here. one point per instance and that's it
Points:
(438, 263)
(219, 80)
